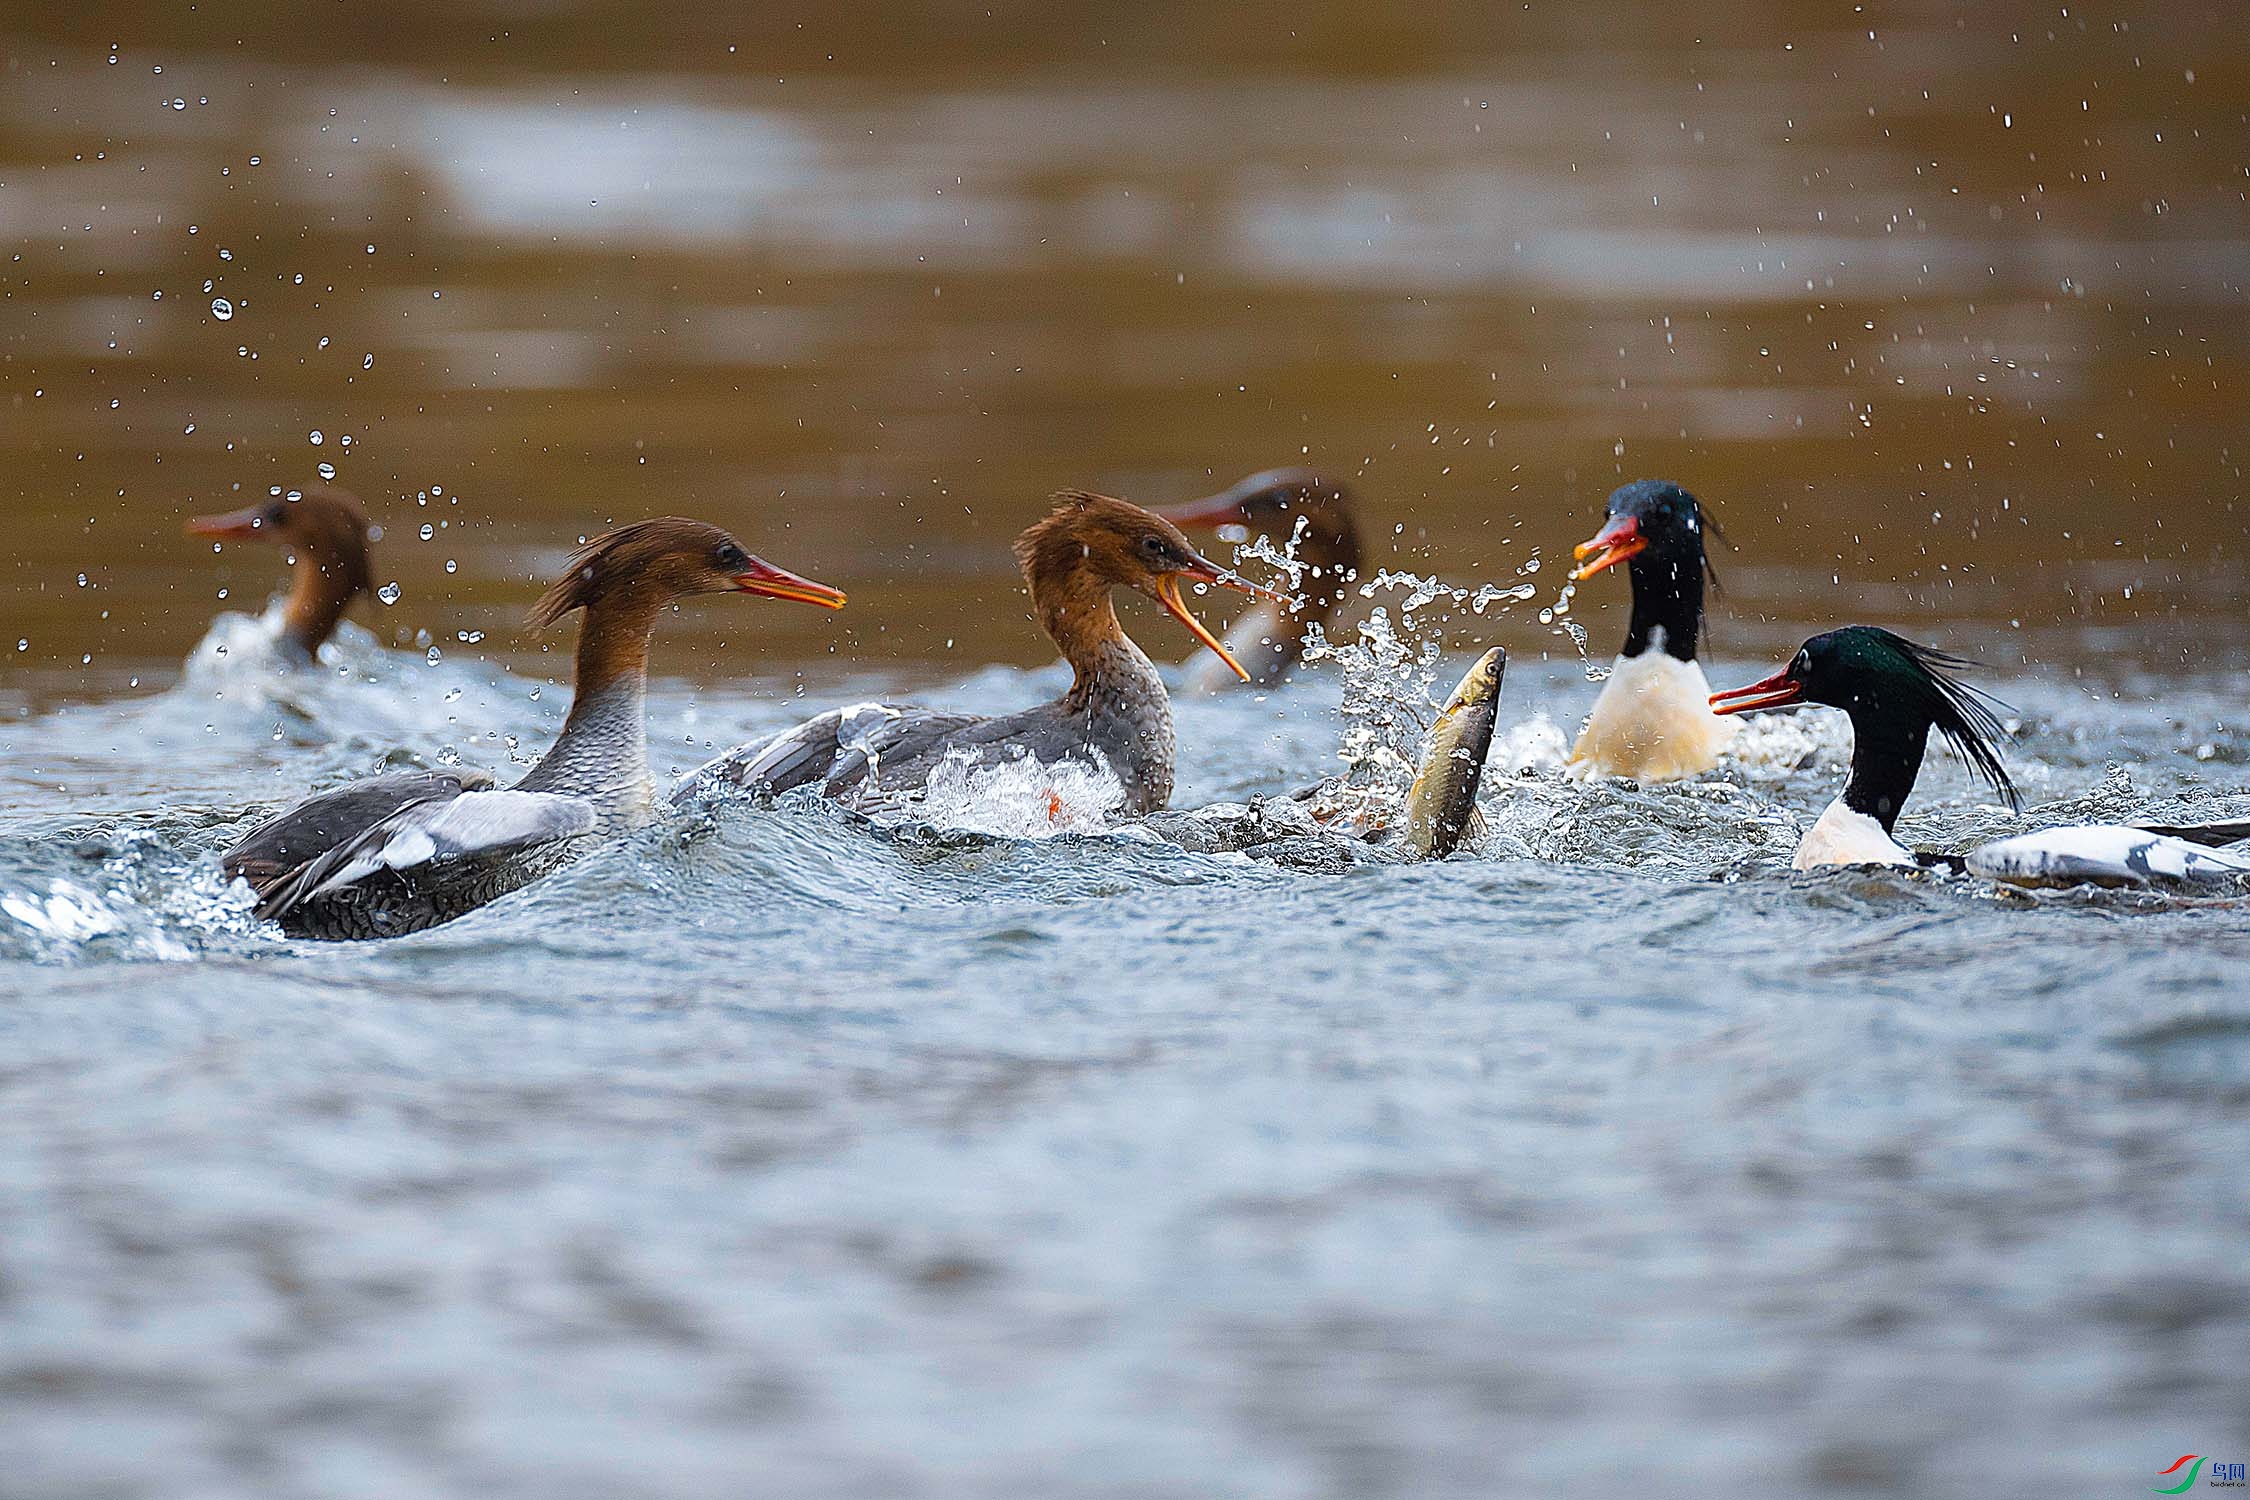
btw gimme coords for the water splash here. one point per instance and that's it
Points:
(1021, 798)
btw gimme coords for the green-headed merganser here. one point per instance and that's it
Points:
(1896, 692)
(1286, 504)
(325, 530)
(397, 853)
(1115, 720)
(1653, 720)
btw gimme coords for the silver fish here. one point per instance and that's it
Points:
(1441, 808)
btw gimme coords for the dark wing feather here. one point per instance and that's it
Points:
(434, 834)
(834, 751)
(318, 824)
(2210, 835)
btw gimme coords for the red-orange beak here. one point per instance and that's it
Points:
(1614, 543)
(1773, 692)
(235, 525)
(1202, 570)
(762, 577)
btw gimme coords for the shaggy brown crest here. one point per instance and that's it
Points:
(1110, 541)
(1089, 544)
(644, 564)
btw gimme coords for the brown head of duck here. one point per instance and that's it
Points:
(1295, 505)
(622, 578)
(324, 531)
(1090, 544)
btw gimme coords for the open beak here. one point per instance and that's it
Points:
(762, 577)
(235, 525)
(1203, 570)
(1773, 692)
(1614, 543)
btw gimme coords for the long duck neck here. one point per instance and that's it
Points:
(1667, 603)
(321, 589)
(1886, 759)
(1114, 691)
(602, 751)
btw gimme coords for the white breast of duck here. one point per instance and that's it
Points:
(1653, 721)
(1843, 835)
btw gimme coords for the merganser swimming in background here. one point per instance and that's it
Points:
(1653, 720)
(1115, 720)
(1282, 504)
(1896, 692)
(325, 530)
(397, 853)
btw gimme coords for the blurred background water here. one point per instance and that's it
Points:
(771, 1155)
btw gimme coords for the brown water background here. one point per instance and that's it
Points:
(1941, 307)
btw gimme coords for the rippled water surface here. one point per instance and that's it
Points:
(771, 1152)
(770, 1148)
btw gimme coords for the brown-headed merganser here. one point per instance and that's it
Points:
(1285, 504)
(1115, 720)
(325, 531)
(1653, 719)
(397, 853)
(1897, 692)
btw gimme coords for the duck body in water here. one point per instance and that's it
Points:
(1299, 506)
(1653, 720)
(325, 531)
(1896, 692)
(397, 853)
(1115, 720)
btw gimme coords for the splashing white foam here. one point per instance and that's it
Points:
(1022, 798)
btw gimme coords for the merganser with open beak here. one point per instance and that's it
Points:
(397, 853)
(1285, 504)
(325, 530)
(1115, 719)
(1897, 692)
(1653, 720)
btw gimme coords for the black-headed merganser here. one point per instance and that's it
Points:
(1896, 692)
(396, 853)
(325, 530)
(1285, 504)
(1653, 720)
(1115, 720)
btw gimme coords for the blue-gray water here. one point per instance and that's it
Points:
(766, 1153)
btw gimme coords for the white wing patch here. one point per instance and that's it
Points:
(472, 825)
(2104, 854)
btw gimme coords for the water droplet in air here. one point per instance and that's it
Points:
(428, 531)
(316, 438)
(327, 471)
(388, 593)
(221, 308)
